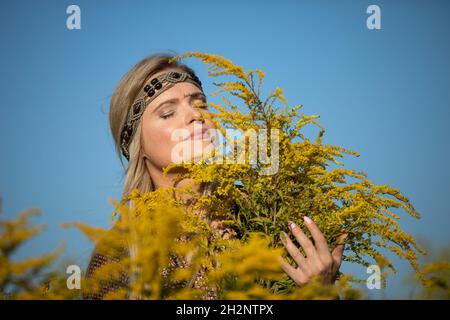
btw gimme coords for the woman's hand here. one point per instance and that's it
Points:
(319, 261)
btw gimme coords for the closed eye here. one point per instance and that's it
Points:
(200, 104)
(165, 116)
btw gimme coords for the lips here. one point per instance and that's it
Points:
(199, 134)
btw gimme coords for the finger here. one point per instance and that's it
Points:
(319, 239)
(290, 270)
(292, 249)
(295, 274)
(338, 251)
(302, 239)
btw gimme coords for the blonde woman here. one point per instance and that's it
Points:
(153, 103)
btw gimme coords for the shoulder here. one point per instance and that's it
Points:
(100, 258)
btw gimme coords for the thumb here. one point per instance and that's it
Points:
(338, 251)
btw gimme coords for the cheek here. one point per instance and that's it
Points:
(157, 141)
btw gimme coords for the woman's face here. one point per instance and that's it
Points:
(172, 126)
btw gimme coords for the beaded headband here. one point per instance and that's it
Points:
(147, 94)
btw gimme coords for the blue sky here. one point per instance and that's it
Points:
(384, 93)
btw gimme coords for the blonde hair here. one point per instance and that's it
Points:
(136, 173)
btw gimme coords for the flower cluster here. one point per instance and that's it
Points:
(162, 248)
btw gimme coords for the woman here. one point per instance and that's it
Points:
(153, 103)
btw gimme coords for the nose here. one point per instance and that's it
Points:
(193, 114)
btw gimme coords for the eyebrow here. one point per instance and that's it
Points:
(192, 95)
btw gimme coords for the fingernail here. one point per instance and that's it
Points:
(291, 225)
(307, 220)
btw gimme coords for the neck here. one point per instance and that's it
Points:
(164, 181)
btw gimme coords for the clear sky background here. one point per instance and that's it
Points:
(384, 93)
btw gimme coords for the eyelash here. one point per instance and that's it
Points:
(166, 116)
